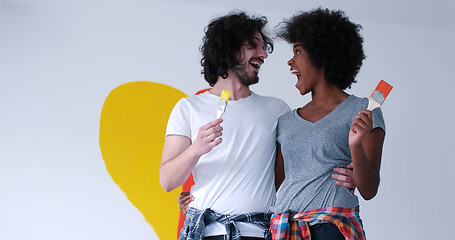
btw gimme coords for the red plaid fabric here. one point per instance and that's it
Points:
(288, 226)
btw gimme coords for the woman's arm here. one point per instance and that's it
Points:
(366, 152)
(279, 168)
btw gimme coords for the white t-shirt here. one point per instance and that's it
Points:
(237, 176)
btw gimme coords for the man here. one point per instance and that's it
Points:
(234, 174)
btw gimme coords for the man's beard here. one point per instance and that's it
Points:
(241, 72)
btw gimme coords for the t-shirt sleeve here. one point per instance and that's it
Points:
(179, 120)
(378, 119)
(284, 108)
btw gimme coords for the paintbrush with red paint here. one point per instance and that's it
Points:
(379, 95)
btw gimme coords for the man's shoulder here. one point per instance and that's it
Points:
(196, 98)
(272, 105)
(270, 99)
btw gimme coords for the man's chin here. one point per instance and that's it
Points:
(250, 81)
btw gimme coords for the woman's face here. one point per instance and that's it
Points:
(307, 74)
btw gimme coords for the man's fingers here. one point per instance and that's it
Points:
(346, 185)
(214, 136)
(215, 143)
(344, 171)
(340, 177)
(211, 124)
(212, 133)
(213, 130)
(343, 180)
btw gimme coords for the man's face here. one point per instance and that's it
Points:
(251, 57)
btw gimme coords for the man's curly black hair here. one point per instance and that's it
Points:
(223, 40)
(331, 40)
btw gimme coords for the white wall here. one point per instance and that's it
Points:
(60, 59)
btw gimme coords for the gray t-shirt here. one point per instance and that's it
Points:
(311, 151)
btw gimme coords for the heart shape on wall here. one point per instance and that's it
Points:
(132, 132)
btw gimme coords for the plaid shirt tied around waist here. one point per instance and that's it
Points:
(288, 226)
(196, 220)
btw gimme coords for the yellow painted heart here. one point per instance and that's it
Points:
(132, 129)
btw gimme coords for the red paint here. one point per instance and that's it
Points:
(383, 87)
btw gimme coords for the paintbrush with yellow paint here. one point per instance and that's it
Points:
(223, 103)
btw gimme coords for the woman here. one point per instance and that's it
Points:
(332, 130)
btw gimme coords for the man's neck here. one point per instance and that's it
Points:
(237, 89)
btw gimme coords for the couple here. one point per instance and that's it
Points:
(260, 146)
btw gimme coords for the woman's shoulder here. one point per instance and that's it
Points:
(288, 115)
(355, 103)
(353, 99)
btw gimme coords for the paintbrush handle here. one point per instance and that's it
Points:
(372, 104)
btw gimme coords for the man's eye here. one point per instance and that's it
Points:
(250, 45)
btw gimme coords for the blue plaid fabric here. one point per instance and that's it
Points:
(196, 220)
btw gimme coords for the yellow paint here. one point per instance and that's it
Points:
(132, 129)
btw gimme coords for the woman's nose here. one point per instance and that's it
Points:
(290, 62)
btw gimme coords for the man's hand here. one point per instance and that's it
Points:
(184, 201)
(345, 178)
(180, 155)
(208, 137)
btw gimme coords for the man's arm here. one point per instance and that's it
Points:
(180, 155)
(345, 179)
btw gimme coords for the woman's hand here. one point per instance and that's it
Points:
(366, 144)
(360, 128)
(184, 201)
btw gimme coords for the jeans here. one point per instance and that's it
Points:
(222, 237)
(325, 231)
